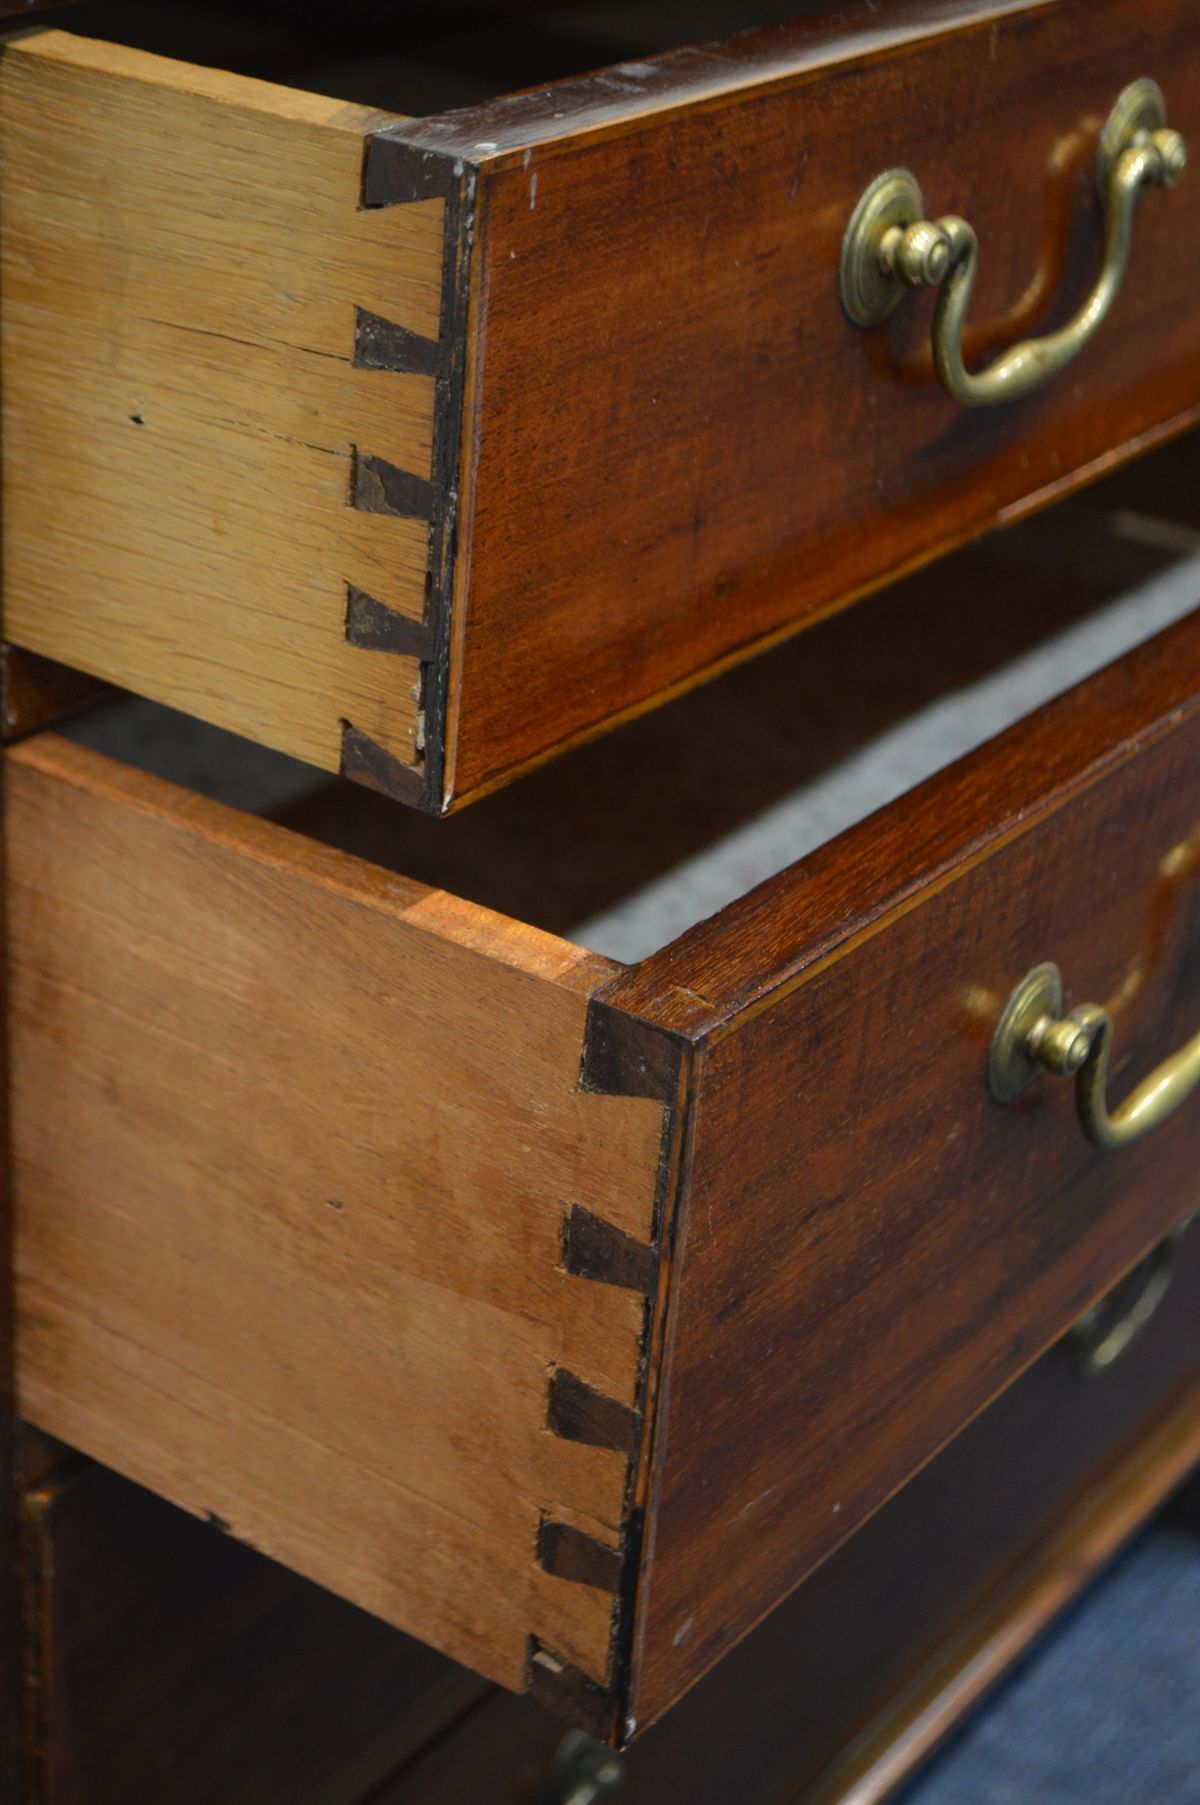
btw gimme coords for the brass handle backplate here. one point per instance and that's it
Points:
(890, 247)
(1033, 1035)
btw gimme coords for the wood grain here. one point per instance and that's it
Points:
(586, 832)
(184, 262)
(869, 1248)
(344, 1151)
(852, 1680)
(298, 1262)
(678, 446)
(577, 365)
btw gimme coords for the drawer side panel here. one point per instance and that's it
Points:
(220, 380)
(295, 1144)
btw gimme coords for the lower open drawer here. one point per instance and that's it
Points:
(566, 1314)
(432, 404)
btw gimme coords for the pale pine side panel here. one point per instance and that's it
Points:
(183, 254)
(293, 1140)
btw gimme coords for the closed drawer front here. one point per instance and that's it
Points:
(450, 440)
(568, 1314)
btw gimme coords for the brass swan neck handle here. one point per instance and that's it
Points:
(1033, 1035)
(889, 247)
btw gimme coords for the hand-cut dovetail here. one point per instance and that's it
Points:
(566, 1691)
(375, 627)
(382, 488)
(578, 1412)
(569, 1553)
(396, 174)
(381, 344)
(368, 763)
(626, 1057)
(595, 1249)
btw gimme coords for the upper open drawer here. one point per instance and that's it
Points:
(420, 448)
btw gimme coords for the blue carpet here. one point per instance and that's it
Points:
(1106, 1710)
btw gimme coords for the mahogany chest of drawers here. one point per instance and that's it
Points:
(568, 1301)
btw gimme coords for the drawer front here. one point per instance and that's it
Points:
(568, 1316)
(683, 444)
(568, 413)
(865, 1246)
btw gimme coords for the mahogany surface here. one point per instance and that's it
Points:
(674, 445)
(761, 1258)
(863, 1247)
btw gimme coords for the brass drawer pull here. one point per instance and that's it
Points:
(889, 246)
(583, 1772)
(1033, 1035)
(1101, 1335)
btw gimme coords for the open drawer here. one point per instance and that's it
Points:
(563, 1313)
(421, 448)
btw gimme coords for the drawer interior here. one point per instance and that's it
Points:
(769, 761)
(419, 59)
